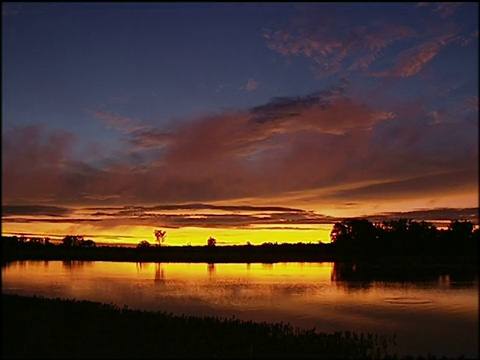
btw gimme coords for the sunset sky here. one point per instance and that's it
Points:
(260, 122)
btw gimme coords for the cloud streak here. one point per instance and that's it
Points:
(366, 48)
(353, 49)
(244, 219)
(18, 210)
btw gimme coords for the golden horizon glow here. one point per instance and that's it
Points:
(307, 227)
(194, 236)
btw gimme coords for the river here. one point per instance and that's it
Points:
(438, 316)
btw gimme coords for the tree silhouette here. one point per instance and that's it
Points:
(87, 243)
(402, 236)
(339, 232)
(211, 241)
(160, 236)
(48, 242)
(143, 244)
(353, 231)
(461, 229)
(72, 240)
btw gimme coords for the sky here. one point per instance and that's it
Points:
(258, 122)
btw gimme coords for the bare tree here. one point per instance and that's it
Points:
(160, 236)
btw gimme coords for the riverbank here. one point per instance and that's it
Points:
(234, 254)
(59, 328)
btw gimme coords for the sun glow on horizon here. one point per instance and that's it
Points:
(195, 236)
(185, 225)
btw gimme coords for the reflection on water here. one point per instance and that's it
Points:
(159, 274)
(431, 312)
(211, 269)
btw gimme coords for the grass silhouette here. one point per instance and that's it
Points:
(59, 328)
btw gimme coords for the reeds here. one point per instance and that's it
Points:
(59, 328)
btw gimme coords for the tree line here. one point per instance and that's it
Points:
(404, 236)
(354, 236)
(36, 242)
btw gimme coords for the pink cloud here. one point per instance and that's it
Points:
(333, 50)
(411, 62)
(252, 84)
(120, 123)
(139, 136)
(148, 138)
(289, 145)
(446, 9)
(234, 155)
(401, 50)
(33, 162)
(422, 4)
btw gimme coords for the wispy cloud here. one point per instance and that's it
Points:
(168, 216)
(139, 136)
(422, 185)
(439, 214)
(148, 138)
(258, 219)
(18, 210)
(366, 48)
(411, 61)
(446, 9)
(196, 207)
(333, 50)
(118, 122)
(251, 85)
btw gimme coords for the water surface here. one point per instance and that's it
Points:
(438, 316)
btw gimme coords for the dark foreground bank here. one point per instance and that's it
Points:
(35, 327)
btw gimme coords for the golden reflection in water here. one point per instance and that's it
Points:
(305, 294)
(211, 269)
(258, 281)
(40, 272)
(257, 272)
